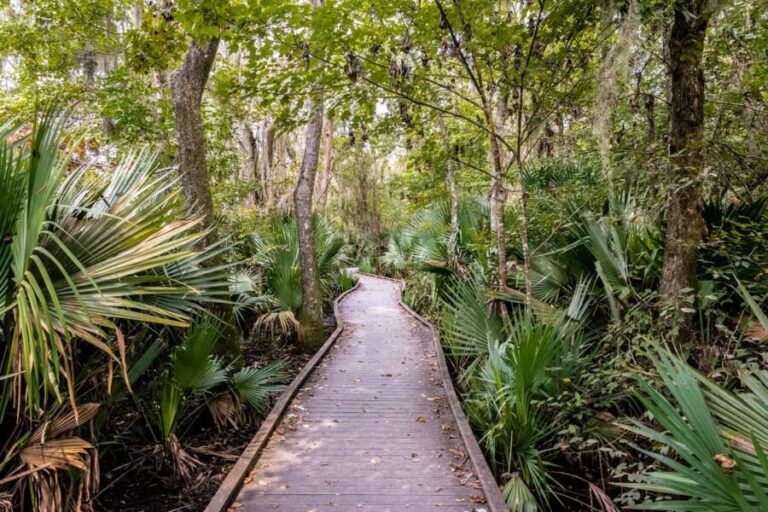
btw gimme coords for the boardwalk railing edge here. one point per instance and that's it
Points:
(495, 501)
(229, 488)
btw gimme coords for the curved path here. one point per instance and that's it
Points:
(371, 430)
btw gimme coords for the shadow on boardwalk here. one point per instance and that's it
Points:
(371, 430)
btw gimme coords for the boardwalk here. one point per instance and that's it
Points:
(371, 430)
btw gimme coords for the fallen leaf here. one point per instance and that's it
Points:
(725, 462)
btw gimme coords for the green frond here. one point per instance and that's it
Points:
(257, 385)
(193, 365)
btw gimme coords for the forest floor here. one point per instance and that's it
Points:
(133, 480)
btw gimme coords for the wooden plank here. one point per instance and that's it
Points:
(272, 507)
(231, 484)
(371, 428)
(355, 500)
(491, 489)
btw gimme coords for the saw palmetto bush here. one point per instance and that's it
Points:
(85, 254)
(516, 372)
(710, 444)
(277, 297)
(195, 377)
(618, 251)
(423, 244)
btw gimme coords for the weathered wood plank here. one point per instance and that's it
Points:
(372, 428)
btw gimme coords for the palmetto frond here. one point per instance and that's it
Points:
(194, 367)
(85, 249)
(518, 496)
(469, 328)
(257, 385)
(717, 441)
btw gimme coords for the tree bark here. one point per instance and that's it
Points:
(497, 197)
(187, 85)
(325, 177)
(684, 221)
(249, 161)
(450, 177)
(266, 161)
(311, 315)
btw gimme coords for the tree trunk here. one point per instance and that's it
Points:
(497, 197)
(187, 85)
(311, 315)
(266, 161)
(249, 161)
(453, 236)
(684, 222)
(363, 213)
(450, 177)
(650, 116)
(325, 177)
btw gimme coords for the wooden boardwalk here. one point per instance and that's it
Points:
(371, 430)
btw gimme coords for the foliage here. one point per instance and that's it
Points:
(87, 255)
(101, 269)
(193, 374)
(276, 256)
(518, 374)
(713, 441)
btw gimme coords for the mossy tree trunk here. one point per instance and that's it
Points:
(187, 86)
(687, 160)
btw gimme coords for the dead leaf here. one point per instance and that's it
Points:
(743, 445)
(605, 502)
(725, 462)
(57, 454)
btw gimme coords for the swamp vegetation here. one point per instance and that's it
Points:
(573, 191)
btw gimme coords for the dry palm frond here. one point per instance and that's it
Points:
(6, 505)
(226, 410)
(604, 502)
(46, 455)
(46, 459)
(279, 323)
(66, 420)
(57, 454)
(184, 463)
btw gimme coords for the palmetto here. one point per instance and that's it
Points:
(714, 441)
(277, 257)
(82, 250)
(423, 243)
(510, 366)
(83, 254)
(195, 375)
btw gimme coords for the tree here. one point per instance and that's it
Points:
(249, 161)
(685, 224)
(311, 314)
(325, 178)
(187, 86)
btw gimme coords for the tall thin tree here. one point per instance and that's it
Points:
(687, 156)
(187, 86)
(311, 314)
